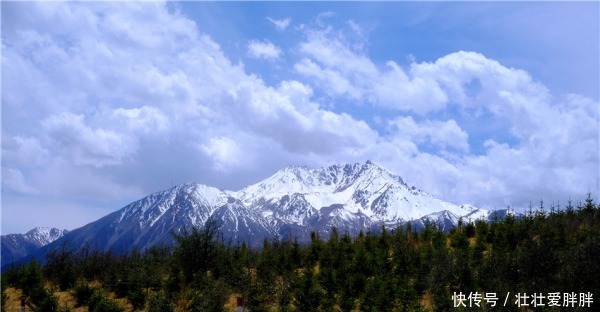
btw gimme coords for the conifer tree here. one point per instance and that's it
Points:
(196, 250)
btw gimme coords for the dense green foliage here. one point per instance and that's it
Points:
(4, 297)
(94, 298)
(393, 270)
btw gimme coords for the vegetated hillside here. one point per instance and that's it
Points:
(527, 261)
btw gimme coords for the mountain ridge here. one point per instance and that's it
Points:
(16, 246)
(291, 203)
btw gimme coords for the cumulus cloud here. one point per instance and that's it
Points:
(442, 134)
(224, 152)
(263, 50)
(555, 138)
(544, 146)
(504, 91)
(336, 83)
(110, 101)
(342, 69)
(145, 119)
(120, 99)
(395, 89)
(23, 151)
(85, 145)
(288, 116)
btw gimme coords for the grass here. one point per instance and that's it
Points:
(66, 299)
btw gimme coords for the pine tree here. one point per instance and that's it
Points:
(307, 293)
(60, 267)
(196, 251)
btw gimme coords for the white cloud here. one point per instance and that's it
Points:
(329, 49)
(145, 119)
(443, 134)
(321, 18)
(14, 180)
(342, 70)
(553, 162)
(336, 83)
(288, 116)
(224, 152)
(547, 146)
(395, 89)
(504, 91)
(23, 151)
(107, 101)
(71, 137)
(263, 50)
(281, 24)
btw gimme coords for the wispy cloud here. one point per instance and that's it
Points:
(280, 24)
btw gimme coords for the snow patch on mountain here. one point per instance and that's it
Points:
(44, 235)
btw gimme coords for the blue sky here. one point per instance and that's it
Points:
(486, 103)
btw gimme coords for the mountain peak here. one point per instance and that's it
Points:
(290, 203)
(16, 246)
(44, 235)
(352, 172)
(335, 178)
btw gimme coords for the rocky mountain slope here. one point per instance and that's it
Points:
(16, 246)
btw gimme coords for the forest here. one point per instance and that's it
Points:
(545, 260)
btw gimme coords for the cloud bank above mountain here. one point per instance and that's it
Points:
(103, 103)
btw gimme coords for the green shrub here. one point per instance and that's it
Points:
(159, 302)
(82, 294)
(107, 305)
(137, 298)
(45, 300)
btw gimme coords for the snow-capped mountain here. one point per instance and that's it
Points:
(16, 246)
(344, 192)
(291, 203)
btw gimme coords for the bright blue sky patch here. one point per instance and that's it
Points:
(487, 103)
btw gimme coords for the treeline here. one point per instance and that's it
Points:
(554, 250)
